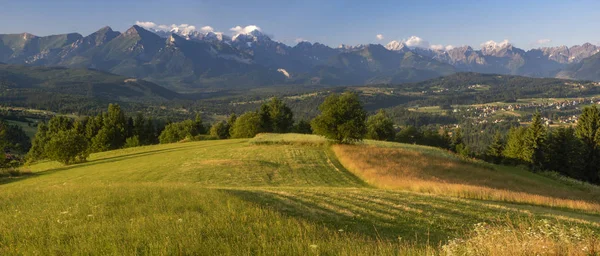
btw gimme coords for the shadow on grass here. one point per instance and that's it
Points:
(369, 225)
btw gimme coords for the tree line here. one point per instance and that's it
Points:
(570, 151)
(574, 152)
(13, 142)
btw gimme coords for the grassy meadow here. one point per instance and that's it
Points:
(291, 195)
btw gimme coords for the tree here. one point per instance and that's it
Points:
(45, 133)
(176, 132)
(535, 142)
(67, 147)
(380, 127)
(588, 131)
(231, 123)
(93, 126)
(198, 126)
(457, 140)
(3, 142)
(247, 125)
(276, 117)
(302, 127)
(409, 135)
(113, 133)
(515, 145)
(220, 130)
(564, 153)
(149, 133)
(342, 118)
(132, 142)
(495, 149)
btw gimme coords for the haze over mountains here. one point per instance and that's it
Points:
(186, 59)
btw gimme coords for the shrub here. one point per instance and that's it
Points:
(220, 130)
(67, 147)
(178, 131)
(247, 126)
(132, 142)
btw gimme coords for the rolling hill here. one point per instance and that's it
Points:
(74, 89)
(287, 195)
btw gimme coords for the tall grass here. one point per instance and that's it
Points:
(529, 237)
(396, 168)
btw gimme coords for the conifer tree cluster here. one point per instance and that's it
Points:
(573, 152)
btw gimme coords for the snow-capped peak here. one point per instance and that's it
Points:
(396, 46)
(250, 33)
(491, 46)
(189, 32)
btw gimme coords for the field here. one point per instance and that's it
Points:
(285, 195)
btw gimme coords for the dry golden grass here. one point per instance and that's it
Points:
(395, 168)
(530, 237)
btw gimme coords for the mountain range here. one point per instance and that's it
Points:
(190, 60)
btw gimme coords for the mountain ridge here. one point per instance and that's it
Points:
(185, 59)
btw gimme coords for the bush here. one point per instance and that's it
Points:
(132, 142)
(247, 126)
(220, 130)
(178, 131)
(67, 147)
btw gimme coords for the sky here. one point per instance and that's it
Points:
(525, 23)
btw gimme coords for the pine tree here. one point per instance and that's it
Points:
(515, 145)
(495, 149)
(588, 131)
(113, 133)
(535, 143)
(564, 153)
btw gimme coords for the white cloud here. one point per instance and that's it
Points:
(244, 30)
(299, 40)
(180, 29)
(543, 41)
(379, 37)
(146, 24)
(415, 41)
(207, 29)
(437, 47)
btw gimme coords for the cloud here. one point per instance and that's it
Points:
(379, 37)
(543, 41)
(244, 30)
(440, 47)
(437, 47)
(300, 40)
(146, 24)
(207, 29)
(181, 28)
(415, 41)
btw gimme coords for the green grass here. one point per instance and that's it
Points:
(273, 195)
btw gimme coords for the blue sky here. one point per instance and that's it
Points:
(526, 24)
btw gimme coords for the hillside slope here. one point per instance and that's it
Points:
(275, 194)
(43, 87)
